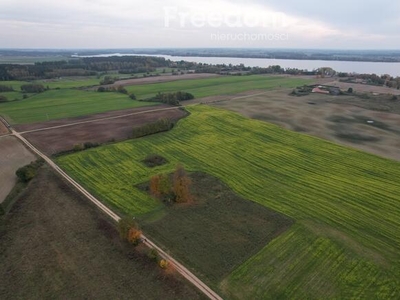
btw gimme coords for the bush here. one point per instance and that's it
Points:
(32, 88)
(5, 88)
(154, 160)
(171, 98)
(128, 230)
(163, 263)
(3, 98)
(132, 96)
(26, 173)
(153, 255)
(122, 90)
(78, 147)
(350, 90)
(108, 80)
(89, 145)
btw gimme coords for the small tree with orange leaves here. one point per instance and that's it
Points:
(181, 185)
(160, 186)
(155, 186)
(129, 230)
(134, 236)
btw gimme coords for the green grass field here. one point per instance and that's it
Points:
(216, 86)
(11, 96)
(16, 85)
(65, 103)
(70, 82)
(346, 203)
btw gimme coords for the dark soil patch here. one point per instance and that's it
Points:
(216, 233)
(154, 160)
(55, 245)
(343, 128)
(359, 120)
(356, 137)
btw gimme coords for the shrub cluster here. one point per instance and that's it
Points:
(5, 88)
(177, 190)
(108, 80)
(33, 88)
(171, 98)
(129, 231)
(159, 126)
(119, 89)
(27, 172)
(154, 160)
(87, 145)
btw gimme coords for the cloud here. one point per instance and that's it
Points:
(134, 23)
(370, 16)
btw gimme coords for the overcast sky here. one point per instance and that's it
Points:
(339, 24)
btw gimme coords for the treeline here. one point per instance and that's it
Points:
(32, 88)
(171, 98)
(81, 67)
(119, 89)
(371, 79)
(152, 128)
(6, 88)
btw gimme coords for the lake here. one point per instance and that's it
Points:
(341, 66)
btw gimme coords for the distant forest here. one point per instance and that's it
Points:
(98, 66)
(81, 67)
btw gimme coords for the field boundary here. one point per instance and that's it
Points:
(139, 113)
(179, 267)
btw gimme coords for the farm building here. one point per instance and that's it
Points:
(319, 90)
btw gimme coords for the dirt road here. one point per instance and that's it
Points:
(179, 267)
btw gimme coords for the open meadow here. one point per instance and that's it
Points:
(55, 245)
(221, 85)
(345, 203)
(67, 103)
(341, 119)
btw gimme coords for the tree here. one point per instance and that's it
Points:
(129, 230)
(181, 185)
(160, 186)
(134, 236)
(32, 88)
(122, 90)
(27, 172)
(155, 186)
(350, 90)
